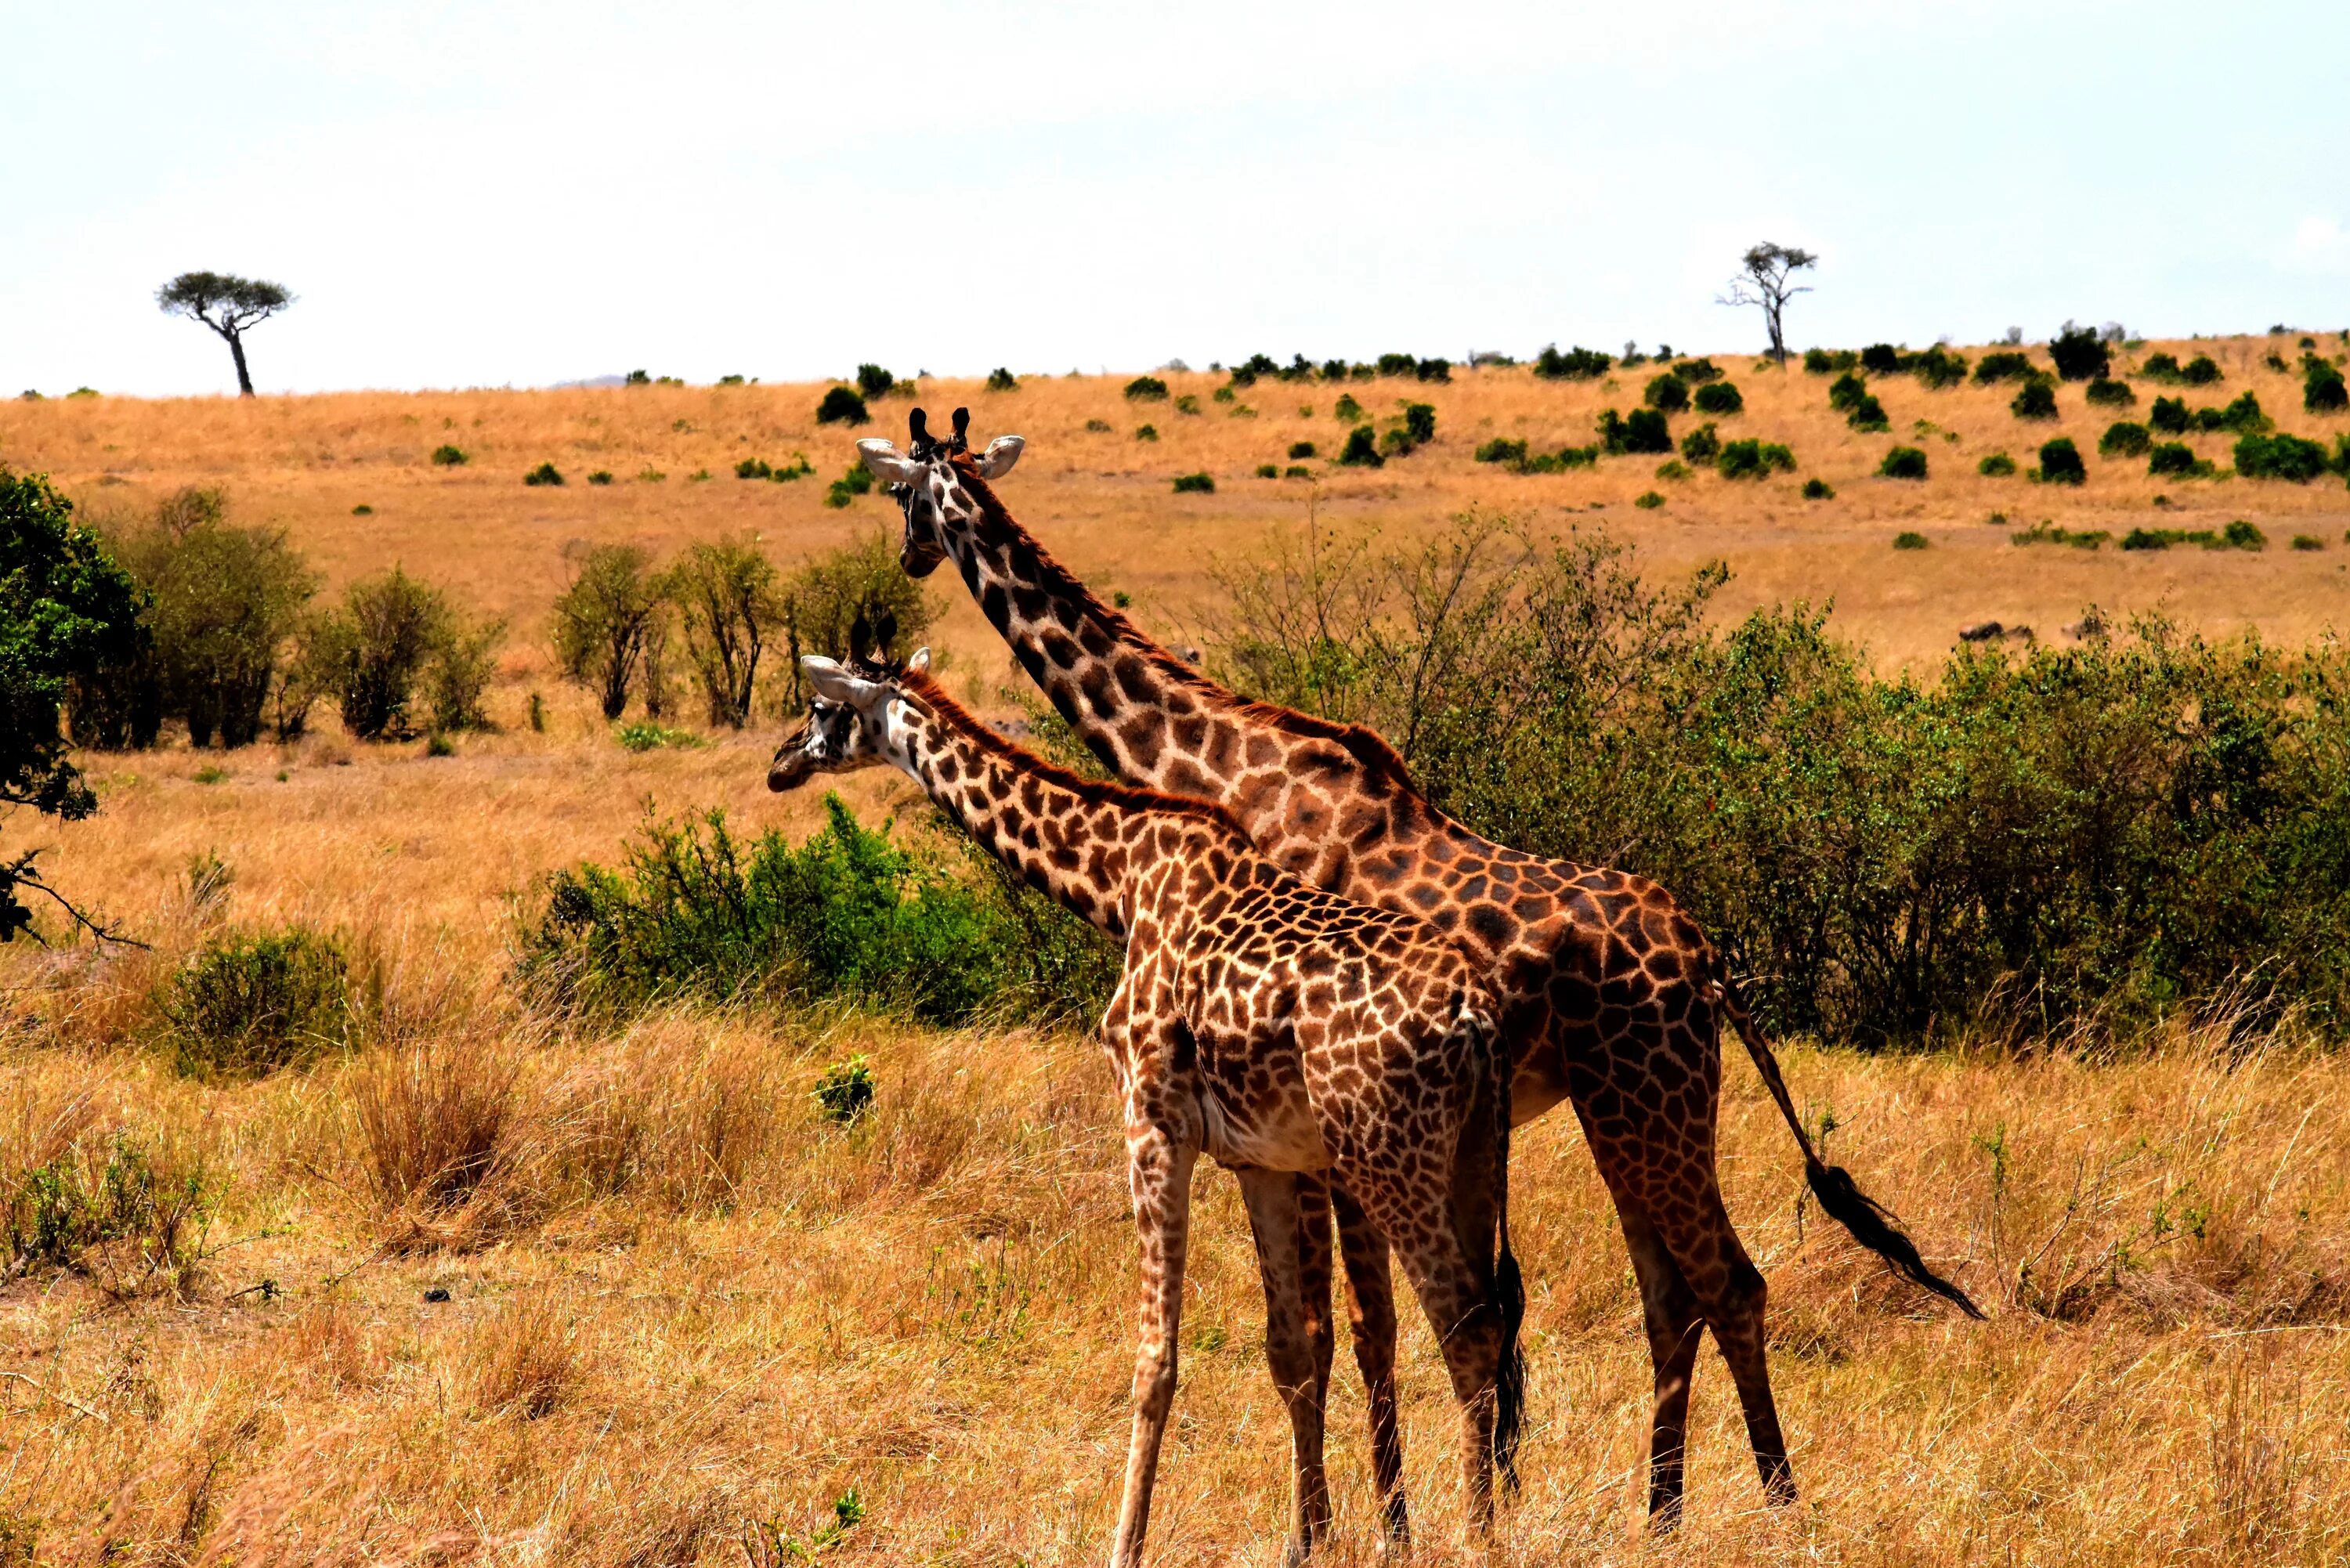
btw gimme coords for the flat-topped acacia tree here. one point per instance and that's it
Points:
(228, 305)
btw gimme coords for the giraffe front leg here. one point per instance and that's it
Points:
(1159, 1174)
(1371, 1299)
(1299, 1375)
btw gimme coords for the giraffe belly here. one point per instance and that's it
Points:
(1272, 1131)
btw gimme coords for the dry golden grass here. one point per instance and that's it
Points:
(684, 1314)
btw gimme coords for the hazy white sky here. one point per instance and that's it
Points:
(485, 194)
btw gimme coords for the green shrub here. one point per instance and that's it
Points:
(1883, 360)
(2243, 535)
(2307, 542)
(1579, 364)
(2106, 393)
(601, 622)
(844, 1091)
(1200, 484)
(2080, 354)
(1674, 470)
(1818, 489)
(1296, 470)
(1647, 500)
(855, 480)
(1868, 414)
(1753, 459)
(1347, 410)
(1697, 372)
(2200, 371)
(648, 735)
(446, 456)
(873, 381)
(600, 476)
(1667, 393)
(2172, 457)
(1433, 371)
(1645, 431)
(1845, 392)
(1146, 432)
(1903, 462)
(545, 473)
(2287, 457)
(2323, 391)
(847, 917)
(370, 653)
(2036, 400)
(2162, 367)
(754, 468)
(1818, 362)
(1702, 445)
(1397, 364)
(2124, 439)
(251, 1004)
(1305, 449)
(1268, 471)
(2243, 416)
(2002, 364)
(1146, 389)
(2060, 463)
(1098, 426)
(1938, 368)
(2170, 416)
(1395, 441)
(1420, 421)
(1721, 398)
(1362, 448)
(1001, 380)
(1997, 465)
(1909, 541)
(99, 1199)
(842, 406)
(1499, 450)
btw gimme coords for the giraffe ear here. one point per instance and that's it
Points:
(834, 683)
(888, 465)
(921, 661)
(1001, 454)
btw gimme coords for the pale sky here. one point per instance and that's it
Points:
(467, 194)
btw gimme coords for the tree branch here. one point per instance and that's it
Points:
(22, 874)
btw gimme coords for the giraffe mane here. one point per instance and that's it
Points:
(1366, 746)
(926, 690)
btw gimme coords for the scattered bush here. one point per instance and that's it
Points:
(1362, 448)
(602, 621)
(844, 1091)
(2200, 371)
(1268, 471)
(1909, 541)
(1420, 422)
(1997, 465)
(754, 468)
(2060, 463)
(1000, 379)
(1146, 432)
(2080, 354)
(1674, 470)
(1647, 500)
(1903, 462)
(2003, 365)
(873, 381)
(2243, 416)
(1818, 489)
(2323, 391)
(1146, 389)
(1868, 414)
(2173, 457)
(248, 1005)
(1845, 392)
(1697, 372)
(1818, 361)
(1499, 450)
(2045, 531)
(1200, 484)
(2307, 542)
(1702, 445)
(1098, 426)
(1296, 470)
(822, 604)
(2036, 400)
(94, 1203)
(2243, 535)
(1305, 449)
(545, 473)
(1721, 398)
(1667, 393)
(446, 456)
(1753, 458)
(842, 406)
(1347, 410)
(1644, 432)
(2124, 439)
(646, 735)
(2287, 457)
(1938, 368)
(1397, 364)
(2170, 416)
(728, 597)
(600, 476)
(2162, 367)
(1433, 371)
(1577, 364)
(2108, 393)
(1882, 359)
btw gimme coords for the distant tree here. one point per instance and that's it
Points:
(602, 619)
(227, 303)
(727, 602)
(1767, 281)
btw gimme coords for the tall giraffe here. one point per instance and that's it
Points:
(1612, 997)
(1277, 1027)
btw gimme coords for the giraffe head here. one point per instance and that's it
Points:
(928, 490)
(834, 738)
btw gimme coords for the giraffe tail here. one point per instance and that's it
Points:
(1508, 1288)
(1871, 1224)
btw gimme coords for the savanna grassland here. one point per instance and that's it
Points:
(673, 1312)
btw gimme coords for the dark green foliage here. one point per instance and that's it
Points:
(1903, 462)
(2209, 539)
(1719, 398)
(638, 378)
(1910, 540)
(545, 473)
(754, 468)
(1146, 432)
(104, 1197)
(1000, 379)
(1938, 368)
(1398, 365)
(1667, 393)
(2200, 371)
(2323, 391)
(2036, 400)
(2002, 364)
(1395, 441)
(2059, 462)
(874, 381)
(1304, 448)
(2162, 367)
(2243, 416)
(370, 653)
(1753, 458)
(2045, 531)
(1818, 489)
(2081, 837)
(842, 406)
(1420, 422)
(602, 620)
(1433, 371)
(821, 605)
(844, 1091)
(1882, 359)
(1644, 431)
(2170, 416)
(847, 917)
(1845, 392)
(601, 476)
(2110, 394)
(1577, 364)
(1868, 414)
(2080, 354)
(1818, 362)
(2243, 535)
(1346, 410)
(2287, 457)
(1268, 471)
(1203, 484)
(2173, 457)
(1697, 372)
(1146, 389)
(249, 1004)
(1362, 448)
(2307, 542)
(1333, 371)
(446, 456)
(1702, 445)
(1499, 450)
(1996, 465)
(2124, 439)
(728, 597)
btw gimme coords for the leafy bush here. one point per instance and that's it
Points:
(1697, 372)
(844, 1091)
(1433, 371)
(1845, 392)
(1674, 470)
(842, 406)
(2243, 416)
(1938, 368)
(1903, 462)
(251, 1004)
(2280, 456)
(2307, 542)
(1397, 364)
(2162, 367)
(1500, 449)
(1201, 483)
(2200, 371)
(1305, 449)
(728, 597)
(370, 653)
(1347, 410)
(446, 456)
(1001, 380)
(1297, 470)
(1577, 364)
(1645, 431)
(602, 621)
(1146, 432)
(1098, 426)
(873, 381)
(848, 916)
(1721, 398)
(1667, 393)
(1647, 500)
(1702, 445)
(1910, 540)
(2170, 416)
(1395, 441)
(1997, 465)
(1268, 471)
(600, 476)
(2323, 391)
(2036, 400)
(1868, 414)
(457, 675)
(1362, 448)
(2172, 457)
(1420, 421)
(646, 735)
(1753, 458)
(1146, 389)
(823, 603)
(2124, 439)
(1818, 489)
(2243, 535)
(1882, 359)
(545, 473)
(2106, 393)
(2002, 364)
(2060, 463)
(101, 1198)
(2080, 354)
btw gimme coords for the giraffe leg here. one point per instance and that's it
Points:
(1370, 1302)
(1299, 1375)
(1159, 1173)
(1676, 1327)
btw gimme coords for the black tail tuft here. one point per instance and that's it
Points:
(1509, 1384)
(1872, 1226)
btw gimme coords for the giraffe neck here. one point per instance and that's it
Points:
(1085, 846)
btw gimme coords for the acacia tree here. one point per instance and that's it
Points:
(726, 600)
(602, 621)
(1766, 279)
(228, 305)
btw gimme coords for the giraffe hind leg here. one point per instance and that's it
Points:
(1299, 1375)
(1676, 1327)
(1370, 1302)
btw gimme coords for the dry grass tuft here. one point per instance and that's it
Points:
(527, 1359)
(441, 1144)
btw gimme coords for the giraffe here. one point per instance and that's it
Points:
(1611, 995)
(1274, 1026)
